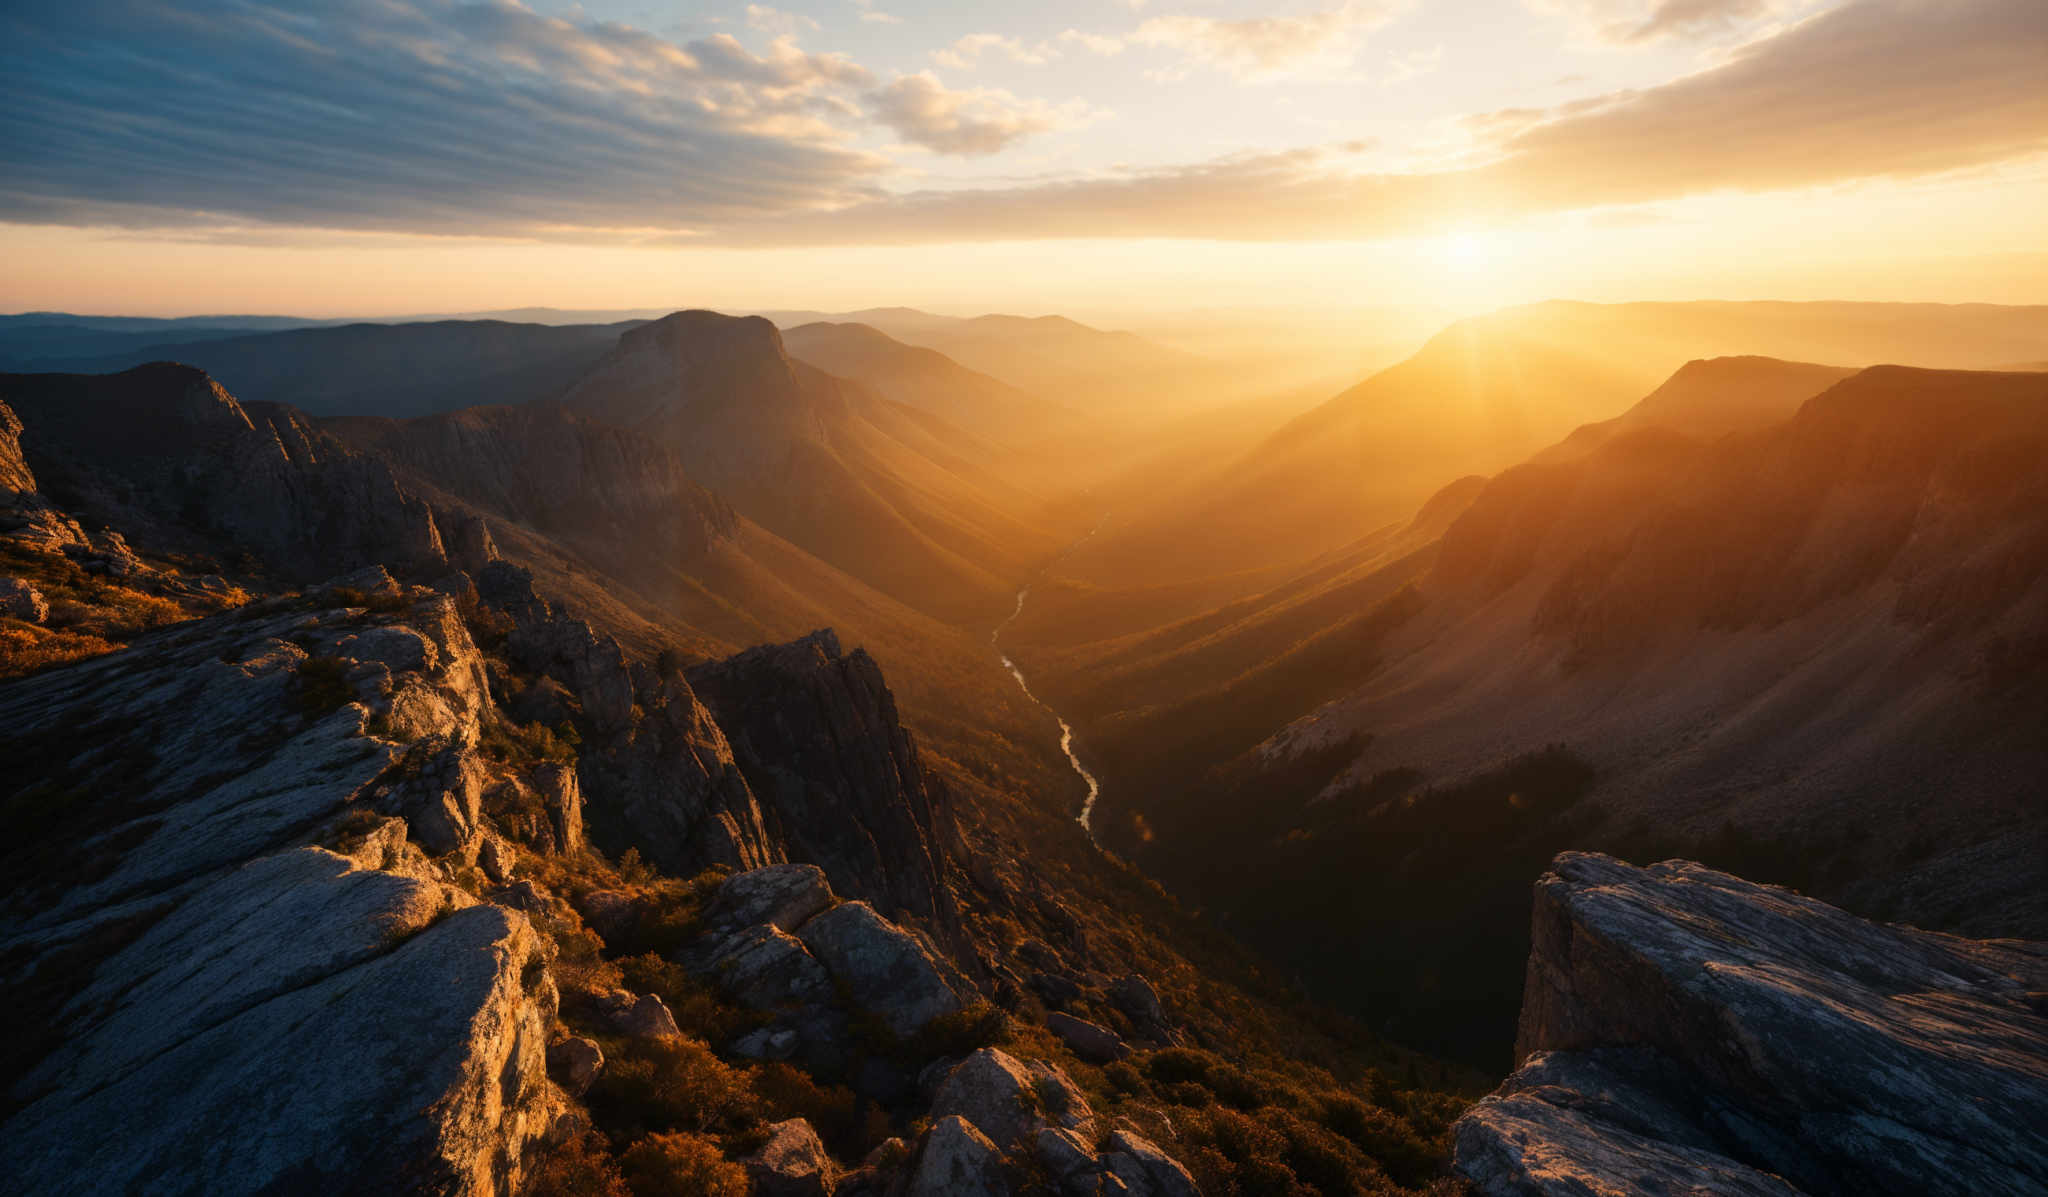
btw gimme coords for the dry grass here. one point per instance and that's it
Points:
(26, 648)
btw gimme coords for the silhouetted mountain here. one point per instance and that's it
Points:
(390, 369)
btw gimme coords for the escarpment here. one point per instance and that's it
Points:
(1686, 1031)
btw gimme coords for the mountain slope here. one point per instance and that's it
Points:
(890, 495)
(928, 380)
(1774, 650)
(1488, 392)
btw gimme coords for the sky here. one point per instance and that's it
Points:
(1095, 157)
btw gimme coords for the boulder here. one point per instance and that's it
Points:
(885, 970)
(766, 969)
(780, 896)
(1065, 1155)
(574, 1062)
(1684, 1028)
(956, 1160)
(648, 1018)
(793, 1163)
(23, 601)
(495, 857)
(1144, 1169)
(1010, 1101)
(1088, 1040)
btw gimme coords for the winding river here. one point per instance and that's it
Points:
(1066, 731)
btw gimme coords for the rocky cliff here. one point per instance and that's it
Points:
(167, 456)
(815, 730)
(216, 924)
(1686, 1031)
(616, 494)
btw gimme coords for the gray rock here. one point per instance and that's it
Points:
(765, 1043)
(1144, 1169)
(494, 856)
(766, 969)
(647, 1017)
(1090, 1041)
(23, 601)
(1010, 1101)
(1770, 1039)
(383, 1045)
(780, 896)
(1064, 1154)
(574, 1062)
(886, 971)
(793, 1163)
(956, 1160)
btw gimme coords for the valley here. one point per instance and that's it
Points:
(1198, 766)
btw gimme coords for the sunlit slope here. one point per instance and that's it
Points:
(930, 381)
(893, 496)
(1831, 624)
(1489, 392)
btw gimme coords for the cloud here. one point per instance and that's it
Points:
(978, 121)
(1634, 22)
(1412, 65)
(881, 18)
(1270, 47)
(778, 22)
(962, 54)
(1876, 88)
(1094, 43)
(420, 115)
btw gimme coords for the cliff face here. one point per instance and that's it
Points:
(615, 494)
(1683, 1030)
(815, 731)
(167, 456)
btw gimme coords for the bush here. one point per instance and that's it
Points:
(667, 1085)
(321, 687)
(681, 1165)
(579, 1168)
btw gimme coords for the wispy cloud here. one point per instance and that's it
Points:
(963, 53)
(1270, 46)
(1636, 22)
(972, 121)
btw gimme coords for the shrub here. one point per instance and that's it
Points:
(321, 687)
(670, 1084)
(681, 1165)
(579, 1168)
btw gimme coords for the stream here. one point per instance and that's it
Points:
(1066, 731)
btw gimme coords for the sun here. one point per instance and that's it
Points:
(1466, 251)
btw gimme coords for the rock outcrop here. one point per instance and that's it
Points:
(26, 516)
(253, 1010)
(1684, 1030)
(814, 729)
(777, 940)
(658, 776)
